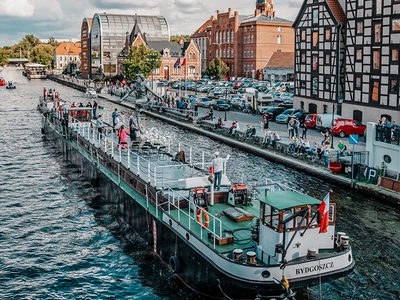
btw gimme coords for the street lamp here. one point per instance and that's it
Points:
(339, 102)
(226, 96)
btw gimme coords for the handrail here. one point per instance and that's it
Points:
(216, 230)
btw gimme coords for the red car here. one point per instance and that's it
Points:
(310, 120)
(343, 127)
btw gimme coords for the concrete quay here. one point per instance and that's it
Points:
(253, 146)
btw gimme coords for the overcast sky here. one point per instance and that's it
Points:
(62, 19)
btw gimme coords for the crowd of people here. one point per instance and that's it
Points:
(388, 131)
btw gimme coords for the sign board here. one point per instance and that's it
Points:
(166, 83)
(353, 139)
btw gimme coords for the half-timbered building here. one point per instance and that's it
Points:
(372, 59)
(319, 56)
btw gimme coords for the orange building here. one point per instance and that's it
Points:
(246, 43)
(67, 56)
(85, 51)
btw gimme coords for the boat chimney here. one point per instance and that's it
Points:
(339, 235)
(344, 241)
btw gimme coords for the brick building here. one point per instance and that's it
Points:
(246, 43)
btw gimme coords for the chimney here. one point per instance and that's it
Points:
(127, 41)
(229, 12)
(181, 42)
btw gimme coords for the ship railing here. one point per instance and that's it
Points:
(188, 217)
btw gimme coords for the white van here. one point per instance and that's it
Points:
(286, 86)
(324, 121)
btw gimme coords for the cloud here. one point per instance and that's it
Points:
(125, 4)
(16, 8)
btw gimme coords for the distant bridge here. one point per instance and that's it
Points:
(18, 60)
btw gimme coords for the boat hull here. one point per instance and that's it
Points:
(192, 265)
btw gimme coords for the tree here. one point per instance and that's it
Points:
(43, 54)
(178, 38)
(217, 69)
(4, 55)
(24, 47)
(52, 41)
(141, 60)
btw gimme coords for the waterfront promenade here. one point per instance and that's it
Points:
(315, 168)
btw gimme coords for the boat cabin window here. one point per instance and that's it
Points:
(286, 214)
(271, 216)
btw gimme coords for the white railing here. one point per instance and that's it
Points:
(215, 224)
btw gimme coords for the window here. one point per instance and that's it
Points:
(327, 34)
(279, 28)
(315, 16)
(245, 39)
(192, 55)
(378, 7)
(360, 28)
(252, 28)
(315, 38)
(232, 37)
(357, 84)
(377, 36)
(327, 58)
(360, 3)
(303, 57)
(216, 53)
(325, 109)
(244, 29)
(302, 84)
(192, 69)
(394, 85)
(315, 86)
(216, 37)
(303, 35)
(279, 40)
(245, 54)
(395, 55)
(376, 59)
(327, 84)
(375, 91)
(252, 38)
(358, 54)
(396, 25)
(315, 63)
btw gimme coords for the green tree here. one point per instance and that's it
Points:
(4, 55)
(141, 60)
(43, 54)
(24, 47)
(52, 41)
(178, 38)
(217, 69)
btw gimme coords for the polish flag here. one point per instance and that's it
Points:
(183, 62)
(324, 210)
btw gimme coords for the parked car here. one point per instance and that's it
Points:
(300, 115)
(221, 105)
(284, 117)
(204, 102)
(310, 120)
(262, 109)
(343, 127)
(324, 121)
(273, 112)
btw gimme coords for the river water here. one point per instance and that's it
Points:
(58, 241)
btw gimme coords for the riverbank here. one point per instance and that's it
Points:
(315, 170)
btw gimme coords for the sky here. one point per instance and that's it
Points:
(62, 19)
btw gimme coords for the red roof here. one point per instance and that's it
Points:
(337, 11)
(281, 60)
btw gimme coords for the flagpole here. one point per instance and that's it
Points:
(185, 76)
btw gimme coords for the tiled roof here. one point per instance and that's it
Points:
(175, 48)
(202, 28)
(261, 18)
(281, 60)
(337, 11)
(68, 48)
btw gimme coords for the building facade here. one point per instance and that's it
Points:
(319, 56)
(67, 56)
(85, 50)
(346, 58)
(108, 36)
(280, 67)
(372, 59)
(245, 43)
(171, 54)
(202, 39)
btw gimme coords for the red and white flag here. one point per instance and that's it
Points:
(324, 210)
(183, 62)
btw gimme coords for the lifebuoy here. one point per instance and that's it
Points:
(206, 217)
(175, 264)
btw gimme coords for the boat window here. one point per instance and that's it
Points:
(314, 211)
(267, 214)
(286, 214)
(299, 218)
(331, 213)
(275, 218)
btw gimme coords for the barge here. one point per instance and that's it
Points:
(244, 241)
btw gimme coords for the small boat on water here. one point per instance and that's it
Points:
(90, 93)
(50, 101)
(2, 81)
(253, 240)
(10, 86)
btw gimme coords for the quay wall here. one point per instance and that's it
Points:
(375, 191)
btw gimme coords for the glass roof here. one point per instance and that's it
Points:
(155, 27)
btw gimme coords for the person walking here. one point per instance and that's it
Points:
(94, 109)
(132, 130)
(100, 126)
(218, 163)
(123, 140)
